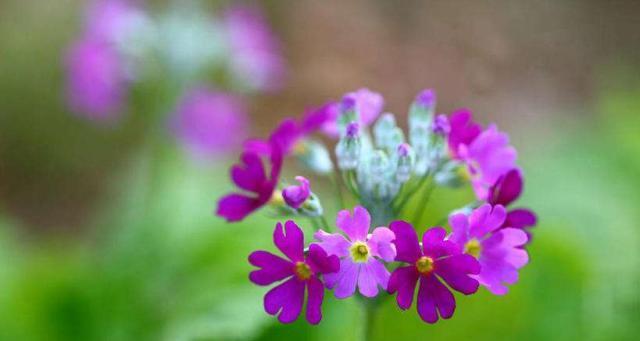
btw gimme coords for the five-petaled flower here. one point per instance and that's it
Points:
(438, 260)
(360, 254)
(300, 271)
(497, 249)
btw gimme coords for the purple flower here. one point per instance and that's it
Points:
(287, 298)
(367, 104)
(96, 80)
(487, 158)
(359, 254)
(426, 99)
(497, 249)
(209, 123)
(505, 191)
(441, 125)
(251, 176)
(256, 56)
(295, 196)
(438, 260)
(463, 130)
(109, 20)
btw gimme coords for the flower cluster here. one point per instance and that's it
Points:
(123, 44)
(375, 250)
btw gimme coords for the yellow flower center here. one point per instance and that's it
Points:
(359, 252)
(473, 248)
(424, 265)
(303, 271)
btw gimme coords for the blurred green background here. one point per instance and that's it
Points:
(108, 234)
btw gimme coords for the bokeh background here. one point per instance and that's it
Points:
(107, 232)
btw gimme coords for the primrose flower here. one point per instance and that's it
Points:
(300, 272)
(96, 80)
(251, 176)
(364, 104)
(463, 130)
(209, 123)
(255, 50)
(497, 249)
(295, 196)
(359, 254)
(438, 260)
(505, 191)
(487, 158)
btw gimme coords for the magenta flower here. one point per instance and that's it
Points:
(295, 196)
(505, 191)
(367, 104)
(209, 123)
(438, 260)
(497, 249)
(463, 130)
(487, 158)
(251, 176)
(287, 298)
(96, 80)
(360, 254)
(255, 50)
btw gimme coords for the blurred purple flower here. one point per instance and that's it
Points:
(497, 249)
(438, 260)
(255, 50)
(359, 254)
(487, 157)
(96, 80)
(295, 196)
(367, 104)
(108, 20)
(301, 272)
(209, 123)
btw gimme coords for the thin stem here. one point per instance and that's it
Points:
(315, 224)
(418, 213)
(323, 220)
(415, 189)
(368, 321)
(335, 179)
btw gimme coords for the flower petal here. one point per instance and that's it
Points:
(235, 207)
(431, 295)
(455, 272)
(249, 175)
(314, 300)
(460, 228)
(403, 281)
(356, 226)
(406, 242)
(290, 240)
(286, 299)
(520, 218)
(381, 244)
(434, 245)
(273, 268)
(333, 243)
(344, 281)
(507, 188)
(320, 262)
(295, 196)
(372, 274)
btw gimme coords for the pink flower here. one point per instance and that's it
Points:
(359, 254)
(462, 130)
(487, 158)
(287, 298)
(497, 249)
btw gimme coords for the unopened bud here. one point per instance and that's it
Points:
(348, 148)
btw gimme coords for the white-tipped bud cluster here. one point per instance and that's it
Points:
(404, 162)
(314, 155)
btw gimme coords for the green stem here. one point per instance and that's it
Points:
(419, 212)
(368, 321)
(323, 220)
(335, 179)
(415, 189)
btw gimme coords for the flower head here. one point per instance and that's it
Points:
(96, 80)
(504, 192)
(463, 130)
(360, 254)
(298, 271)
(256, 57)
(487, 157)
(438, 260)
(497, 249)
(295, 196)
(209, 123)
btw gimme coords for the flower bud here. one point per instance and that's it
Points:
(295, 196)
(441, 125)
(421, 111)
(314, 155)
(405, 158)
(383, 129)
(348, 113)
(348, 148)
(379, 165)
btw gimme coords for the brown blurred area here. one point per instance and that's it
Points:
(519, 63)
